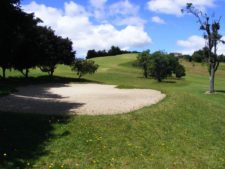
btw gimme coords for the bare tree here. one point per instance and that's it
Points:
(211, 28)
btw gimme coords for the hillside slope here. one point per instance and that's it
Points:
(186, 130)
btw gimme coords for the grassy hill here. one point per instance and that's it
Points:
(184, 131)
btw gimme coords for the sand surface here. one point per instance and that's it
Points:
(81, 99)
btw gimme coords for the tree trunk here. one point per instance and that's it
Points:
(213, 70)
(212, 79)
(145, 70)
(26, 73)
(3, 72)
(51, 72)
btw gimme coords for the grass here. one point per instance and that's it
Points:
(184, 131)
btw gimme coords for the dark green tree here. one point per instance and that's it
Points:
(53, 50)
(26, 44)
(114, 50)
(142, 61)
(179, 71)
(159, 66)
(83, 67)
(91, 54)
(198, 56)
(9, 10)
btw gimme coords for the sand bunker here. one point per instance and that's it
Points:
(81, 99)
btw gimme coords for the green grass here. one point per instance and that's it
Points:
(184, 131)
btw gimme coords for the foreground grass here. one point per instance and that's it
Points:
(185, 131)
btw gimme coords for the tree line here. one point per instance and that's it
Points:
(25, 45)
(114, 50)
(202, 56)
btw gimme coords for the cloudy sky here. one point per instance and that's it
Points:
(129, 24)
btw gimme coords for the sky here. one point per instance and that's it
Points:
(129, 24)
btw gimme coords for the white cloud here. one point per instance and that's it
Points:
(98, 8)
(158, 20)
(174, 6)
(133, 20)
(221, 47)
(73, 9)
(194, 43)
(125, 13)
(74, 22)
(123, 7)
(98, 3)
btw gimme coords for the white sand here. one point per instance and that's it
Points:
(81, 99)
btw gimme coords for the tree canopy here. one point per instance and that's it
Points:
(160, 65)
(24, 44)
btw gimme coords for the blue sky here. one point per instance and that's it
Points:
(130, 24)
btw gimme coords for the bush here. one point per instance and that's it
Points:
(83, 67)
(221, 58)
(188, 58)
(201, 55)
(179, 71)
(196, 57)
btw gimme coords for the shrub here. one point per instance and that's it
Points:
(179, 71)
(83, 67)
(187, 57)
(201, 55)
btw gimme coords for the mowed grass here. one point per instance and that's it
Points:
(184, 131)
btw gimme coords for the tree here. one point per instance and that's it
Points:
(179, 71)
(18, 33)
(198, 56)
(9, 22)
(91, 54)
(211, 28)
(159, 66)
(26, 44)
(222, 58)
(187, 57)
(53, 50)
(142, 60)
(83, 67)
(115, 50)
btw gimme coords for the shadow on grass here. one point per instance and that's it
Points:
(23, 137)
(10, 84)
(169, 80)
(220, 91)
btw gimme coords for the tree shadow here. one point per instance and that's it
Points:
(43, 79)
(38, 99)
(23, 137)
(220, 91)
(168, 81)
(10, 84)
